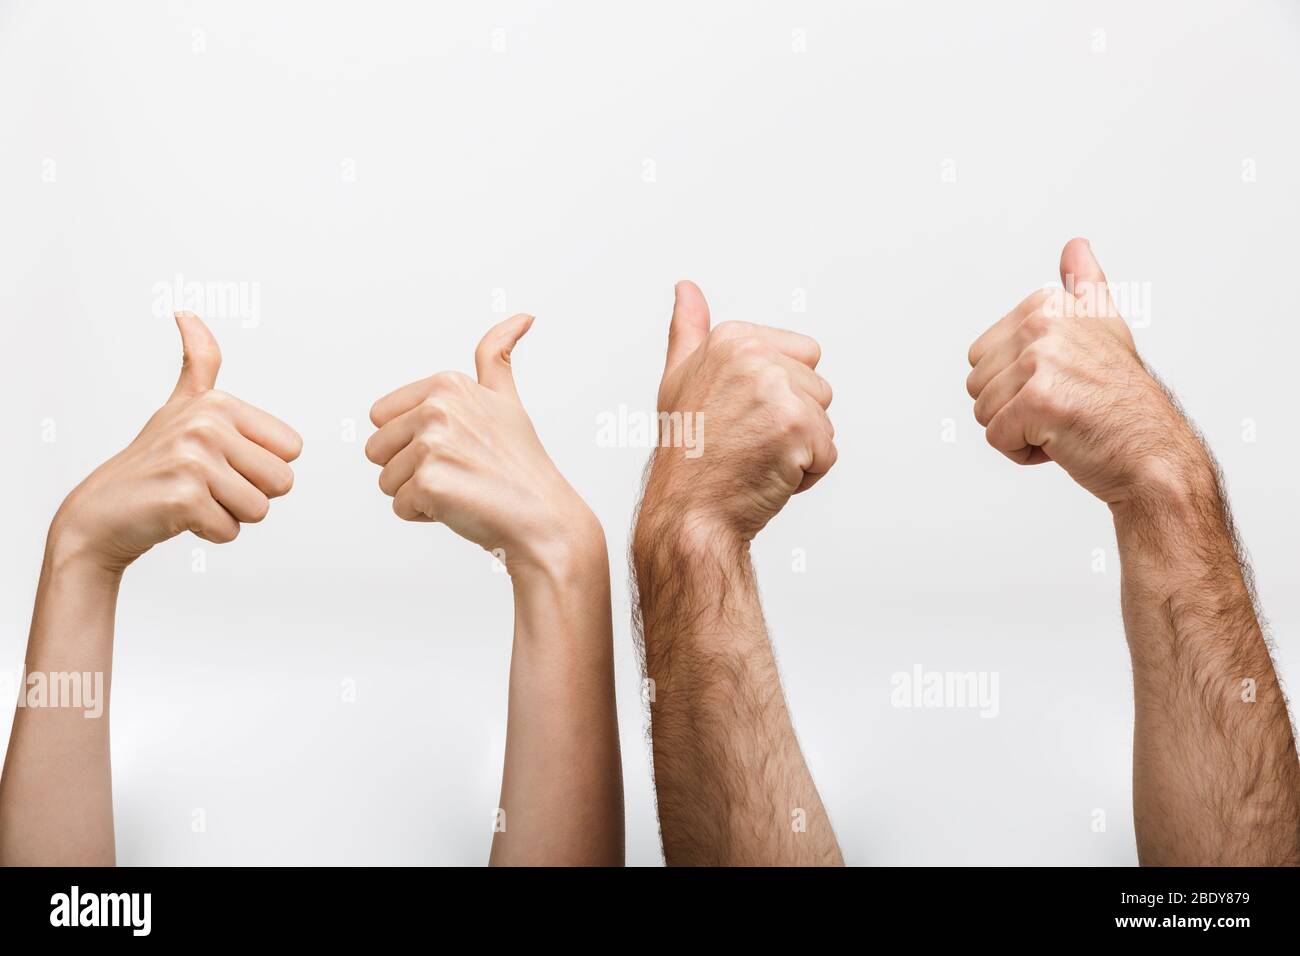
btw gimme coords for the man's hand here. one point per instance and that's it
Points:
(732, 784)
(1215, 775)
(1059, 379)
(466, 454)
(761, 410)
(205, 462)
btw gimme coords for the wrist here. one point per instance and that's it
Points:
(680, 537)
(69, 551)
(1171, 491)
(562, 602)
(572, 549)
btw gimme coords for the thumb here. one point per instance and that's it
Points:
(1082, 277)
(690, 323)
(492, 357)
(201, 356)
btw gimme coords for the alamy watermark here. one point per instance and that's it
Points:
(970, 690)
(629, 428)
(75, 908)
(1128, 301)
(71, 690)
(240, 301)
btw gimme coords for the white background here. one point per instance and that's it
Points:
(216, 141)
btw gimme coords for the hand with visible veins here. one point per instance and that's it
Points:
(1058, 378)
(762, 416)
(465, 453)
(732, 784)
(204, 462)
(1216, 779)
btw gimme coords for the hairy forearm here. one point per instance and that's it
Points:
(1216, 778)
(56, 803)
(733, 788)
(562, 791)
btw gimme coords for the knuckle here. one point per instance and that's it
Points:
(426, 443)
(1039, 396)
(191, 462)
(730, 329)
(432, 411)
(196, 495)
(187, 499)
(749, 353)
(204, 428)
(174, 506)
(456, 381)
(1053, 302)
(1035, 325)
(1043, 353)
(791, 417)
(772, 377)
(427, 482)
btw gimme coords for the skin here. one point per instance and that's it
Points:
(733, 787)
(465, 453)
(205, 462)
(1215, 772)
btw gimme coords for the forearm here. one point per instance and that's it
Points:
(562, 791)
(1216, 779)
(56, 804)
(733, 788)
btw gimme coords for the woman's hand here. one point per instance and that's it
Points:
(465, 453)
(205, 462)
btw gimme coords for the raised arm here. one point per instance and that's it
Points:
(743, 426)
(1215, 772)
(204, 462)
(466, 454)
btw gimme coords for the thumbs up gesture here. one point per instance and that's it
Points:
(205, 462)
(758, 412)
(465, 454)
(1058, 378)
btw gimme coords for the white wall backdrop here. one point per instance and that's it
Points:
(381, 180)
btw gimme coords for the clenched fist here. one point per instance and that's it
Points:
(464, 453)
(205, 462)
(1059, 379)
(759, 411)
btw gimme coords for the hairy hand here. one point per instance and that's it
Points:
(1059, 379)
(758, 413)
(465, 453)
(204, 462)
